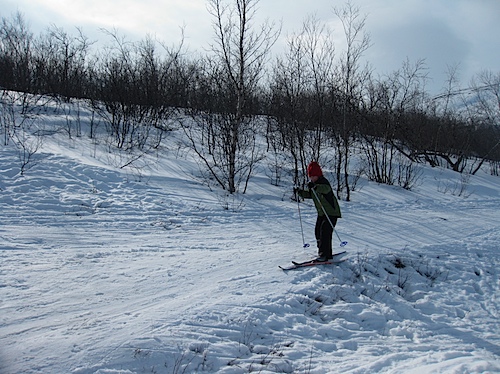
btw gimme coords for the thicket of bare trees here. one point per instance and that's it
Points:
(314, 96)
(223, 134)
(300, 94)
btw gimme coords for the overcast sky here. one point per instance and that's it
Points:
(443, 32)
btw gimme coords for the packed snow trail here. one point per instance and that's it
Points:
(105, 272)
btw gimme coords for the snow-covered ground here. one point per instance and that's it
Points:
(106, 270)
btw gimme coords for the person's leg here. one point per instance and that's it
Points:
(323, 231)
(326, 233)
(317, 233)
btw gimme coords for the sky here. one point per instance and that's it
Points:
(462, 34)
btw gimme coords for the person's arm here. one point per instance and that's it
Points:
(305, 194)
(322, 188)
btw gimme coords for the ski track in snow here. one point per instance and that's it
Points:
(104, 273)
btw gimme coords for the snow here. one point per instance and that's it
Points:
(108, 270)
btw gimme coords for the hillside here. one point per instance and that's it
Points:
(120, 270)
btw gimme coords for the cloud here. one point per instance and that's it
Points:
(425, 39)
(446, 33)
(133, 18)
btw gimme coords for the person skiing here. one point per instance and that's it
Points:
(320, 191)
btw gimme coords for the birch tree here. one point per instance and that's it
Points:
(240, 52)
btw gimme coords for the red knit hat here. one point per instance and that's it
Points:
(314, 170)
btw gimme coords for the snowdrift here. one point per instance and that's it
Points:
(109, 270)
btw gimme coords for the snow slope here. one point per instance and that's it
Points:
(107, 270)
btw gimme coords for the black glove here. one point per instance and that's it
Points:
(311, 185)
(297, 192)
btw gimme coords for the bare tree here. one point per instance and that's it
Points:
(299, 93)
(133, 96)
(487, 110)
(320, 54)
(20, 127)
(16, 54)
(61, 63)
(351, 77)
(486, 85)
(287, 93)
(390, 104)
(238, 57)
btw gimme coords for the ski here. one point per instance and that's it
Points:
(335, 257)
(310, 263)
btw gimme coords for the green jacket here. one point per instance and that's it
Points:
(326, 198)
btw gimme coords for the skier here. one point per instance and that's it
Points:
(320, 190)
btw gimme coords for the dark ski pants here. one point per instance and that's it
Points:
(324, 232)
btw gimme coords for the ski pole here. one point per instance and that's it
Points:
(304, 244)
(342, 243)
